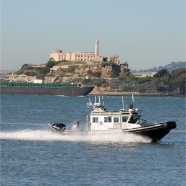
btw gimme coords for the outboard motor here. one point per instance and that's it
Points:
(59, 127)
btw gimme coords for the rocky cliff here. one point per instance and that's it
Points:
(93, 71)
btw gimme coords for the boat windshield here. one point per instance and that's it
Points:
(134, 118)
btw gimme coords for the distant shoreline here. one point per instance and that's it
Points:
(136, 94)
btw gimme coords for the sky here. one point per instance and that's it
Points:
(144, 33)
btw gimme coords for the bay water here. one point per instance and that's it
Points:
(31, 154)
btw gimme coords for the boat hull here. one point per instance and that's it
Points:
(63, 91)
(154, 132)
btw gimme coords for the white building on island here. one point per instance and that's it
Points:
(96, 56)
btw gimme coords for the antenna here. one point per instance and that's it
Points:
(133, 100)
(123, 103)
(99, 98)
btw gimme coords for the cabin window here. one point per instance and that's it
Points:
(108, 119)
(124, 118)
(134, 118)
(95, 120)
(116, 119)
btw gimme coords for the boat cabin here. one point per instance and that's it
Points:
(101, 119)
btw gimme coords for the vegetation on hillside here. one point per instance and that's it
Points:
(164, 82)
(29, 70)
(173, 82)
(112, 77)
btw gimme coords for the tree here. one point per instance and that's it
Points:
(96, 74)
(115, 70)
(162, 73)
(50, 64)
(178, 79)
(25, 65)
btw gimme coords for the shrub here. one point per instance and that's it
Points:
(71, 68)
(30, 73)
(50, 64)
(162, 73)
(96, 74)
(100, 82)
(86, 81)
(25, 65)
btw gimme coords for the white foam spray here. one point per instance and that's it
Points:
(46, 135)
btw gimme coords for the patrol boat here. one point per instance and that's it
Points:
(102, 121)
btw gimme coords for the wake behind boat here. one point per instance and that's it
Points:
(101, 121)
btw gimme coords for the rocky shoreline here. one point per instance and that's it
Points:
(134, 93)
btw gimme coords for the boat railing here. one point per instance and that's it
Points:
(143, 122)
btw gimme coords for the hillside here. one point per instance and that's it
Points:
(108, 78)
(72, 71)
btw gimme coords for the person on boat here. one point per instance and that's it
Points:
(131, 106)
(89, 124)
(77, 124)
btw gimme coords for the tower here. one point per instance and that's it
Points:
(97, 48)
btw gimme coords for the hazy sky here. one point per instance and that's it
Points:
(145, 33)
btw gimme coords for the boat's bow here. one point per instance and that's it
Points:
(168, 125)
(155, 132)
